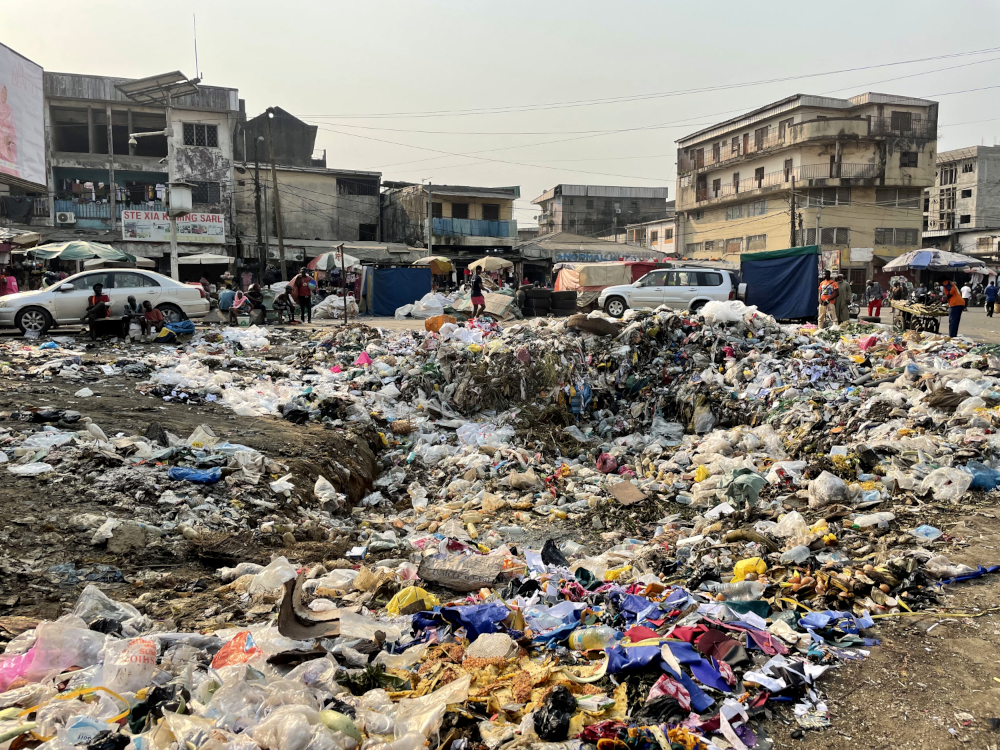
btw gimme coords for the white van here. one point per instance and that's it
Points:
(679, 288)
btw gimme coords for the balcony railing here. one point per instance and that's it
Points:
(85, 210)
(913, 129)
(444, 227)
(782, 176)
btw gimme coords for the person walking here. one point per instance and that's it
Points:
(842, 304)
(827, 300)
(967, 293)
(955, 307)
(991, 297)
(302, 293)
(873, 296)
(477, 298)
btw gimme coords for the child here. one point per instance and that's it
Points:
(284, 302)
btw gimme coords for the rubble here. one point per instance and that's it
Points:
(579, 529)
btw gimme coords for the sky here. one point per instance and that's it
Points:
(466, 92)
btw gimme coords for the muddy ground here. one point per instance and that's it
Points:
(918, 689)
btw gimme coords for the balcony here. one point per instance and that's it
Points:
(92, 210)
(444, 227)
(912, 128)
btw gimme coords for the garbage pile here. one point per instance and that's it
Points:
(650, 530)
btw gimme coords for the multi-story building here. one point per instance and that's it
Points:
(466, 221)
(594, 209)
(858, 168)
(962, 210)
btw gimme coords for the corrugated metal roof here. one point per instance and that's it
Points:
(969, 152)
(603, 191)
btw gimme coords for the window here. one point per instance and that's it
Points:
(708, 278)
(693, 247)
(654, 236)
(86, 283)
(783, 127)
(697, 215)
(756, 243)
(759, 137)
(834, 236)
(196, 134)
(883, 236)
(902, 198)
(437, 209)
(947, 199)
(734, 212)
(757, 208)
(655, 278)
(829, 197)
(736, 146)
(965, 219)
(984, 243)
(905, 237)
(635, 207)
(590, 204)
(206, 192)
(571, 201)
(967, 193)
(491, 211)
(357, 187)
(668, 234)
(716, 188)
(948, 176)
(709, 246)
(968, 168)
(898, 237)
(367, 232)
(716, 152)
(807, 236)
(901, 120)
(461, 210)
(788, 170)
(734, 246)
(736, 182)
(758, 176)
(699, 158)
(134, 281)
(907, 158)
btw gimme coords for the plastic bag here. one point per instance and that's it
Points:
(791, 525)
(946, 483)
(197, 476)
(30, 470)
(272, 577)
(606, 464)
(64, 643)
(526, 481)
(326, 493)
(129, 665)
(282, 486)
(409, 596)
(239, 650)
(731, 311)
(827, 489)
(94, 605)
(423, 715)
(552, 718)
(703, 420)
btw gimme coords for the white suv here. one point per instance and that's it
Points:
(679, 288)
(66, 301)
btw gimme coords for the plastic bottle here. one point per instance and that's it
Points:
(744, 591)
(873, 519)
(593, 639)
(795, 555)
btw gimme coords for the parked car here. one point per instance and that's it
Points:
(679, 288)
(65, 302)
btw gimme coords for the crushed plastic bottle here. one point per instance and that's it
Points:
(744, 591)
(795, 555)
(873, 519)
(593, 639)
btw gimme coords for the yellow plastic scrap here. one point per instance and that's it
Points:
(475, 348)
(408, 596)
(750, 565)
(701, 474)
(615, 573)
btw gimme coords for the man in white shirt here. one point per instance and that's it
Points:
(967, 293)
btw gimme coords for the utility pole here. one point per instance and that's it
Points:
(175, 272)
(111, 171)
(343, 280)
(430, 216)
(261, 249)
(792, 238)
(277, 201)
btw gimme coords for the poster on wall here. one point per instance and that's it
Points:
(22, 122)
(154, 226)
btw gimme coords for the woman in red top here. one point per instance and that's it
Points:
(303, 294)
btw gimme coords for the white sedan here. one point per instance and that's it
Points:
(65, 302)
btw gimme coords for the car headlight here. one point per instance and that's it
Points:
(3, 302)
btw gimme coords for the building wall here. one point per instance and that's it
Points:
(405, 214)
(657, 235)
(591, 215)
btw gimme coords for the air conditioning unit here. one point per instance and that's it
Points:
(65, 217)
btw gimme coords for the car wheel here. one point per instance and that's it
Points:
(615, 307)
(33, 320)
(697, 306)
(171, 313)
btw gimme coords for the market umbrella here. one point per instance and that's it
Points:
(438, 263)
(102, 263)
(79, 250)
(933, 260)
(203, 259)
(491, 263)
(331, 262)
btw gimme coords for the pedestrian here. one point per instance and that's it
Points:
(898, 292)
(302, 294)
(955, 306)
(873, 296)
(478, 300)
(284, 302)
(271, 275)
(967, 293)
(827, 299)
(991, 297)
(205, 285)
(131, 312)
(843, 301)
(152, 316)
(98, 308)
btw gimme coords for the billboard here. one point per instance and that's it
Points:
(154, 226)
(22, 122)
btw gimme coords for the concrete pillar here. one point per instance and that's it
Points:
(90, 130)
(131, 148)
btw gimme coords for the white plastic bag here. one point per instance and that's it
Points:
(283, 486)
(423, 715)
(272, 577)
(327, 493)
(30, 470)
(791, 525)
(129, 665)
(731, 311)
(946, 483)
(827, 489)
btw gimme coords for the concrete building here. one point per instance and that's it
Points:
(88, 122)
(468, 222)
(595, 209)
(962, 210)
(859, 167)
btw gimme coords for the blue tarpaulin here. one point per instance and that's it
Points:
(784, 284)
(395, 287)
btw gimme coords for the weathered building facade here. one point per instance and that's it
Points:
(595, 209)
(858, 167)
(961, 212)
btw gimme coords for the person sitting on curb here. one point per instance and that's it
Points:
(98, 308)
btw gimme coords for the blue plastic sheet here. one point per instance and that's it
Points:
(477, 619)
(783, 287)
(395, 287)
(198, 476)
(831, 619)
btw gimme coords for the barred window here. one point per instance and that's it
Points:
(756, 243)
(206, 192)
(196, 134)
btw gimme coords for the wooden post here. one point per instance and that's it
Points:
(343, 280)
(111, 171)
(277, 201)
(791, 241)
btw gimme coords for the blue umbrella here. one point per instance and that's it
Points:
(933, 260)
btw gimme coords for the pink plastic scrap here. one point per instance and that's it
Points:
(363, 359)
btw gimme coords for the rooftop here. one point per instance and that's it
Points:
(603, 191)
(969, 152)
(466, 191)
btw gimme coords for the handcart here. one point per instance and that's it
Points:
(912, 316)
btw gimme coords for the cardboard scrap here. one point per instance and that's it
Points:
(462, 573)
(626, 493)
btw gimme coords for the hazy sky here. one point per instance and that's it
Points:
(324, 60)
